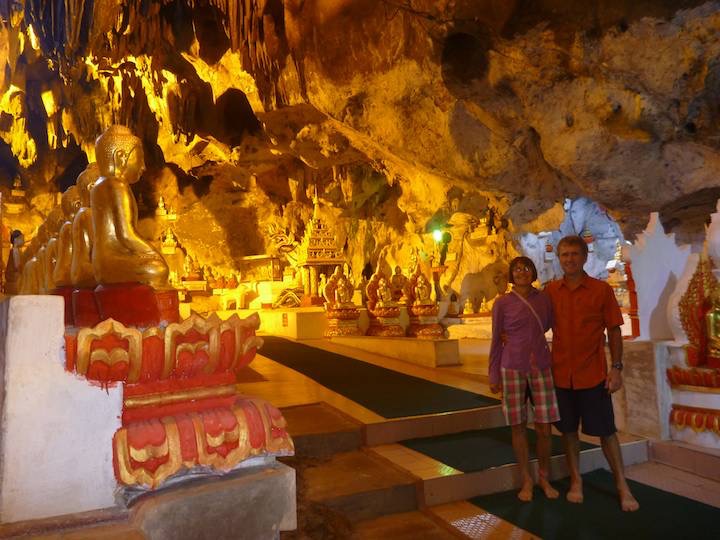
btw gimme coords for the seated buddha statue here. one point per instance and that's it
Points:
(13, 270)
(81, 270)
(70, 205)
(422, 292)
(119, 254)
(344, 292)
(712, 322)
(53, 222)
(384, 294)
(398, 282)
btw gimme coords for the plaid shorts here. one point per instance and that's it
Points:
(538, 385)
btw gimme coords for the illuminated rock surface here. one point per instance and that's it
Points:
(401, 113)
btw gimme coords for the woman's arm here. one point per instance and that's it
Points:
(496, 345)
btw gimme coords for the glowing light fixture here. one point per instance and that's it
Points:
(437, 235)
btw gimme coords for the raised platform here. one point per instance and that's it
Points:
(253, 503)
(478, 327)
(426, 352)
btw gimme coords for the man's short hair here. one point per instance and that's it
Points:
(521, 261)
(573, 240)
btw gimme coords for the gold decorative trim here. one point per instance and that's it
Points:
(129, 475)
(178, 396)
(86, 336)
(691, 388)
(174, 330)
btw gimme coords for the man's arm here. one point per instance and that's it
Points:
(614, 378)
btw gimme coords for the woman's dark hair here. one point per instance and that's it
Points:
(524, 261)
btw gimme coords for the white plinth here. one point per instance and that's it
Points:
(426, 352)
(56, 432)
(470, 327)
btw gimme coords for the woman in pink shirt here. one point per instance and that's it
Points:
(520, 369)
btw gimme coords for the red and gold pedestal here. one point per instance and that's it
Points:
(343, 322)
(385, 322)
(424, 322)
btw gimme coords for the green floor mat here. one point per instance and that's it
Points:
(478, 450)
(385, 392)
(662, 515)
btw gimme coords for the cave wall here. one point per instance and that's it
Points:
(393, 109)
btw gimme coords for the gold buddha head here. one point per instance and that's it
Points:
(85, 181)
(70, 202)
(53, 221)
(119, 153)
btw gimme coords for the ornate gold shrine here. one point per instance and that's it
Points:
(318, 253)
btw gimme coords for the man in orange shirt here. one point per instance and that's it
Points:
(584, 308)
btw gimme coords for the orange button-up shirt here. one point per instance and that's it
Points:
(581, 317)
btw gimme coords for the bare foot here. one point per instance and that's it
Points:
(526, 492)
(550, 492)
(628, 503)
(575, 495)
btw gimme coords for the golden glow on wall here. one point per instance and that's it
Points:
(23, 146)
(34, 43)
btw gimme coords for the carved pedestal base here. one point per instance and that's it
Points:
(424, 322)
(84, 309)
(67, 294)
(386, 327)
(136, 304)
(385, 321)
(343, 322)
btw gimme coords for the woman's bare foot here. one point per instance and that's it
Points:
(550, 492)
(575, 495)
(526, 492)
(628, 503)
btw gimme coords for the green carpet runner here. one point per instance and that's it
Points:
(662, 515)
(477, 450)
(385, 392)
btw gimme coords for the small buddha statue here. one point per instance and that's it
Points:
(423, 292)
(468, 308)
(712, 322)
(384, 294)
(70, 204)
(13, 270)
(119, 254)
(397, 284)
(53, 222)
(344, 292)
(81, 270)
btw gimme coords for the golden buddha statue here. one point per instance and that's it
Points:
(53, 222)
(70, 205)
(119, 254)
(344, 292)
(384, 294)
(712, 322)
(423, 291)
(81, 270)
(398, 282)
(13, 270)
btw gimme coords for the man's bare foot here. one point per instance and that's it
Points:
(526, 492)
(575, 494)
(628, 503)
(550, 492)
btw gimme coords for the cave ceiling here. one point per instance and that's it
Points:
(390, 107)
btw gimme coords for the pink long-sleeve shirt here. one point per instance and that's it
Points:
(512, 319)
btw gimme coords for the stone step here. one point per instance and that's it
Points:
(441, 483)
(412, 427)
(695, 459)
(405, 526)
(359, 485)
(471, 521)
(320, 430)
